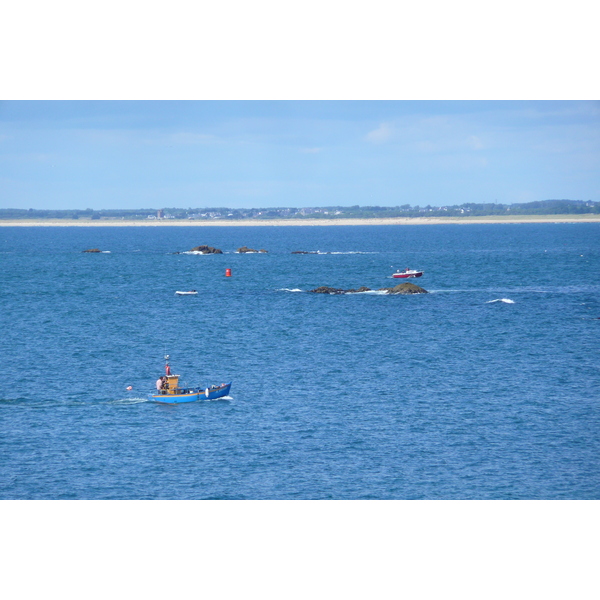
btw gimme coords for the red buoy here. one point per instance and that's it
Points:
(227, 272)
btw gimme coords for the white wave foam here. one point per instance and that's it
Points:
(289, 290)
(321, 253)
(105, 252)
(371, 292)
(221, 398)
(505, 300)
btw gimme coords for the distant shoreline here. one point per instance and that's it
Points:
(305, 222)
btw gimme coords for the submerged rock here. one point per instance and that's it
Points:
(403, 288)
(328, 290)
(92, 250)
(206, 250)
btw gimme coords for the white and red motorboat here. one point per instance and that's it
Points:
(407, 273)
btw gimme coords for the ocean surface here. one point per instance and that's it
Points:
(485, 388)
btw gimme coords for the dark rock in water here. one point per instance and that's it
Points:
(330, 290)
(327, 290)
(264, 251)
(92, 250)
(245, 249)
(358, 291)
(405, 288)
(206, 250)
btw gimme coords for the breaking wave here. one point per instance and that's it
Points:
(370, 292)
(505, 300)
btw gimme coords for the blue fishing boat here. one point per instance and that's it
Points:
(169, 392)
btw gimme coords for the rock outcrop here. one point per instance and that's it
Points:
(92, 250)
(403, 288)
(206, 250)
(245, 250)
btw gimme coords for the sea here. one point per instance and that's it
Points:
(487, 387)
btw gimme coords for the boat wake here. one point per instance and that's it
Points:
(505, 300)
(128, 401)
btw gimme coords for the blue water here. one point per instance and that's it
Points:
(485, 388)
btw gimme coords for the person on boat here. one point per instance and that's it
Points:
(167, 369)
(159, 384)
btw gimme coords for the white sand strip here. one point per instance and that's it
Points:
(302, 223)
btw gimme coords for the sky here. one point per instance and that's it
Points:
(243, 154)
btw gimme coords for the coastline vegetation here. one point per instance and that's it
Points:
(542, 207)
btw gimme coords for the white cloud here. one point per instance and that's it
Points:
(186, 137)
(427, 146)
(380, 135)
(475, 142)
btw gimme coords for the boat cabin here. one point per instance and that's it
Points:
(172, 384)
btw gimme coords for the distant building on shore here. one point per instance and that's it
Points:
(160, 214)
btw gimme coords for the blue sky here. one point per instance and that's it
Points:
(152, 154)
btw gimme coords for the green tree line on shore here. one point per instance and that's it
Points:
(542, 207)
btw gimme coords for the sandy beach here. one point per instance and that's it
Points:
(304, 222)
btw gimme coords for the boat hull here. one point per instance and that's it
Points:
(407, 275)
(194, 395)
